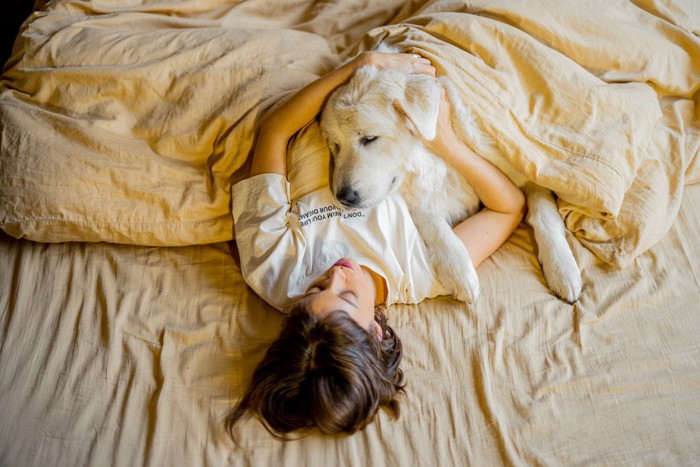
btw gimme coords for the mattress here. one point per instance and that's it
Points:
(130, 355)
(127, 331)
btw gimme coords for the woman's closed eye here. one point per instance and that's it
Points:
(350, 296)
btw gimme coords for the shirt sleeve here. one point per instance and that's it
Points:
(265, 235)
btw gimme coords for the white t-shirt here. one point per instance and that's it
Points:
(284, 246)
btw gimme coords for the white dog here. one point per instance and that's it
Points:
(370, 124)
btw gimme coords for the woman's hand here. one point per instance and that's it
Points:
(404, 62)
(445, 136)
(491, 185)
(280, 125)
(504, 203)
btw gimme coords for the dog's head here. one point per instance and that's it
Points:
(372, 125)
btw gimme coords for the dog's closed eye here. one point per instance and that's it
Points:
(365, 140)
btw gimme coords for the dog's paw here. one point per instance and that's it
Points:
(467, 290)
(449, 259)
(460, 278)
(563, 278)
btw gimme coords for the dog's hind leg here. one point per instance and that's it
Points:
(558, 263)
(447, 255)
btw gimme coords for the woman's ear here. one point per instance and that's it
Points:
(378, 330)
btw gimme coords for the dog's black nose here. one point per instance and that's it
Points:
(348, 197)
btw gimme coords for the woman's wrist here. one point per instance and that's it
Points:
(351, 66)
(364, 59)
(448, 146)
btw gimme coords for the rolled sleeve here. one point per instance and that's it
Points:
(266, 243)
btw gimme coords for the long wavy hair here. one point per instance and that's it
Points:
(326, 373)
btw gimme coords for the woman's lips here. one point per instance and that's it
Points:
(344, 264)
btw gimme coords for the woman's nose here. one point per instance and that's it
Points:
(337, 277)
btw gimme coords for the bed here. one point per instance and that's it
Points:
(127, 331)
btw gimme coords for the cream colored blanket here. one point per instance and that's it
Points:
(127, 121)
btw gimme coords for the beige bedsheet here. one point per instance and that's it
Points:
(129, 356)
(125, 121)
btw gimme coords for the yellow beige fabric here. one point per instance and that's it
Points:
(127, 121)
(128, 356)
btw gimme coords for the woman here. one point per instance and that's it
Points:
(336, 361)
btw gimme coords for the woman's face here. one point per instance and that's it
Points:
(345, 286)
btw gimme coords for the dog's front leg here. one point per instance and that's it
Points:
(447, 255)
(558, 263)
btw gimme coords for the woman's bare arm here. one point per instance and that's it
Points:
(504, 203)
(270, 154)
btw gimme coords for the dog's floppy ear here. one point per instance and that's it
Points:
(356, 88)
(420, 103)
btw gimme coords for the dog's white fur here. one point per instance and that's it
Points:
(371, 125)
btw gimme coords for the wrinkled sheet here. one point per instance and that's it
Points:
(128, 356)
(127, 121)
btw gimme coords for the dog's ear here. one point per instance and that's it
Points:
(420, 104)
(354, 90)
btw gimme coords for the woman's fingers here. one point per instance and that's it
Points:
(420, 65)
(424, 69)
(411, 63)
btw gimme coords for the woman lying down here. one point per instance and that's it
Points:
(336, 361)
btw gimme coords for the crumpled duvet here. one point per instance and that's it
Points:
(128, 121)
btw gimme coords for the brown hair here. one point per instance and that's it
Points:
(326, 373)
